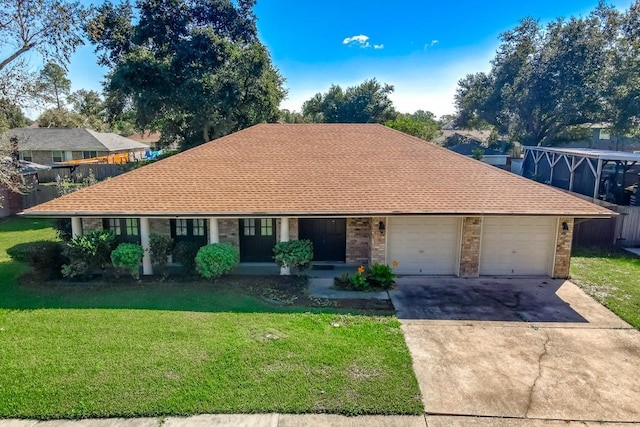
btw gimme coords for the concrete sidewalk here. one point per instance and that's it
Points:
(284, 420)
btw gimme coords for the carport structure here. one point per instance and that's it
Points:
(587, 171)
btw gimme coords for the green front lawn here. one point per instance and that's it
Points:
(611, 277)
(73, 351)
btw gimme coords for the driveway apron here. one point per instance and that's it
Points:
(530, 348)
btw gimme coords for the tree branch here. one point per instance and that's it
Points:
(16, 54)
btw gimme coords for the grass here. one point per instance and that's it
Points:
(613, 278)
(107, 351)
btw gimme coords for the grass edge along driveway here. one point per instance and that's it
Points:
(612, 277)
(79, 363)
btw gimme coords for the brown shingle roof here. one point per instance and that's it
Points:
(318, 169)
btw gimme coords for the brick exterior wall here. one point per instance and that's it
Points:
(91, 224)
(563, 249)
(160, 226)
(358, 240)
(378, 242)
(228, 231)
(470, 247)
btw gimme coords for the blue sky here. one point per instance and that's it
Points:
(421, 47)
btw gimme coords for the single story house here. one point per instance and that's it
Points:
(362, 193)
(489, 155)
(58, 145)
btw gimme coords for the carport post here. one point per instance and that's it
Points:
(214, 234)
(596, 187)
(76, 226)
(284, 237)
(147, 268)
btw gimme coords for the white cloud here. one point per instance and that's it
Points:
(361, 40)
(431, 44)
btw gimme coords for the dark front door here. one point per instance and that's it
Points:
(329, 237)
(257, 239)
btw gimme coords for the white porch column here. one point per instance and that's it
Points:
(76, 226)
(214, 233)
(147, 268)
(284, 237)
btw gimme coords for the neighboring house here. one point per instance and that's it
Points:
(489, 155)
(57, 145)
(362, 193)
(601, 137)
(150, 138)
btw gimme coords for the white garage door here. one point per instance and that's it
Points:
(423, 245)
(517, 246)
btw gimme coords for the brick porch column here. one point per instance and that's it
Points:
(470, 247)
(378, 245)
(563, 248)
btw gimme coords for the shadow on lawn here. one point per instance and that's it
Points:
(24, 224)
(240, 294)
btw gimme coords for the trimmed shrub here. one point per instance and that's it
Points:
(128, 256)
(89, 252)
(63, 229)
(216, 259)
(160, 248)
(45, 258)
(185, 253)
(381, 276)
(294, 253)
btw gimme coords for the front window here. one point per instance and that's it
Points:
(89, 154)
(132, 226)
(198, 227)
(249, 227)
(114, 225)
(266, 227)
(27, 156)
(56, 156)
(181, 227)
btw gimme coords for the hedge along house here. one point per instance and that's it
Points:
(362, 193)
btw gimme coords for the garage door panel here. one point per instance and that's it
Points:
(424, 245)
(516, 245)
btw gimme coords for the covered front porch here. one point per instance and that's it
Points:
(340, 244)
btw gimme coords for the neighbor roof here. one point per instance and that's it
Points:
(72, 139)
(317, 170)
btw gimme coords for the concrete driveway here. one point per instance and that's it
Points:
(536, 349)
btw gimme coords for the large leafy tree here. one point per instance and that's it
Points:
(367, 102)
(624, 74)
(543, 80)
(421, 124)
(193, 69)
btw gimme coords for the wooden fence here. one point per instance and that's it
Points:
(623, 229)
(101, 172)
(44, 189)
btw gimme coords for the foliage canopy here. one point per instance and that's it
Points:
(194, 69)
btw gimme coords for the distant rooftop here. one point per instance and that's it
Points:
(73, 139)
